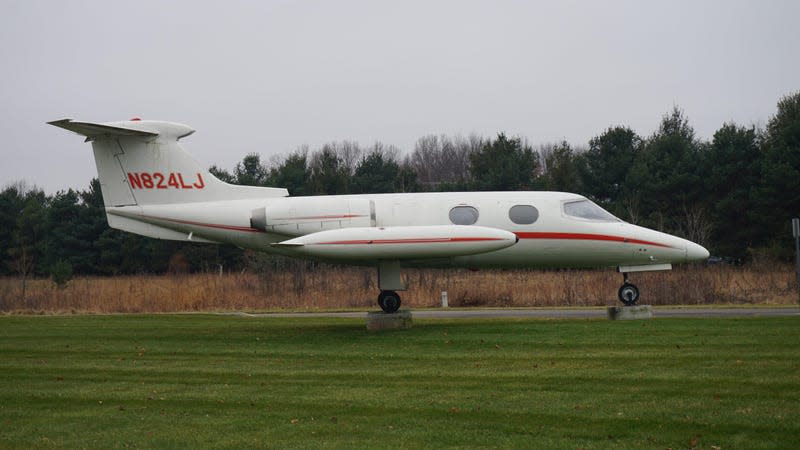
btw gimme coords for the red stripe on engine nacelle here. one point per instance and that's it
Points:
(407, 241)
(586, 237)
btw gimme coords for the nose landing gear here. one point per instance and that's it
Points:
(628, 293)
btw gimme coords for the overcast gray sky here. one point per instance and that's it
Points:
(269, 76)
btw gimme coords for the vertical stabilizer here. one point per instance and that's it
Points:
(141, 163)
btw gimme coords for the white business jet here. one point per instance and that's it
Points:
(152, 187)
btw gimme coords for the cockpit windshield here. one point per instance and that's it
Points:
(585, 209)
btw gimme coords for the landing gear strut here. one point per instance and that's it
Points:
(389, 301)
(628, 293)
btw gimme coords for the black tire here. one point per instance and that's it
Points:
(628, 294)
(380, 301)
(389, 301)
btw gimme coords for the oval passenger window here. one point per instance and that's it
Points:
(463, 215)
(523, 214)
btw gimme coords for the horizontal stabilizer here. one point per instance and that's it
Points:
(644, 268)
(131, 224)
(94, 130)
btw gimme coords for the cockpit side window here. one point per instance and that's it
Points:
(585, 209)
(463, 215)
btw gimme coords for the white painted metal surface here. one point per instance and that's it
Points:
(151, 186)
(397, 243)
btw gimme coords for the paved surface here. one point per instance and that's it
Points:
(554, 313)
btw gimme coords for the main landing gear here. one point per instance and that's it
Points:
(628, 293)
(389, 301)
(389, 282)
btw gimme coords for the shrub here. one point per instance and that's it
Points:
(61, 273)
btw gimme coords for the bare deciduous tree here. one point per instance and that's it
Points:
(440, 158)
(695, 225)
(388, 152)
(348, 152)
(23, 262)
(632, 208)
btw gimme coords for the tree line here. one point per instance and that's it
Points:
(734, 193)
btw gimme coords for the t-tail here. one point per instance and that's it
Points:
(141, 162)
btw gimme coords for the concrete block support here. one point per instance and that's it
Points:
(637, 312)
(377, 321)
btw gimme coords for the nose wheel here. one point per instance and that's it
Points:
(389, 301)
(628, 293)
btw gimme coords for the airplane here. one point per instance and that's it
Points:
(152, 187)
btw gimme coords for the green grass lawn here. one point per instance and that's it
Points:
(218, 381)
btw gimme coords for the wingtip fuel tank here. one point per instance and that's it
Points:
(404, 242)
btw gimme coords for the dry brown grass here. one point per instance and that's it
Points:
(343, 287)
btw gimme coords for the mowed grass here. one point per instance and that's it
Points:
(237, 382)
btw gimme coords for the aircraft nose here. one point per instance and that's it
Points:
(696, 252)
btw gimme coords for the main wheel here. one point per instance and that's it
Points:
(389, 301)
(628, 294)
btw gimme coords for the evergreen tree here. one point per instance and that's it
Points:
(668, 175)
(375, 174)
(329, 174)
(406, 179)
(63, 241)
(222, 174)
(606, 168)
(504, 164)
(28, 237)
(250, 172)
(12, 201)
(733, 161)
(779, 197)
(562, 169)
(293, 174)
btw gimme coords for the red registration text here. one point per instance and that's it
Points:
(160, 180)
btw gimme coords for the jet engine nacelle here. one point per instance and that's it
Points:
(303, 215)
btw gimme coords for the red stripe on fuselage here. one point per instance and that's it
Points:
(249, 229)
(520, 234)
(343, 216)
(586, 237)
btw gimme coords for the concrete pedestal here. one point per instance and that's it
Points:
(382, 321)
(630, 312)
